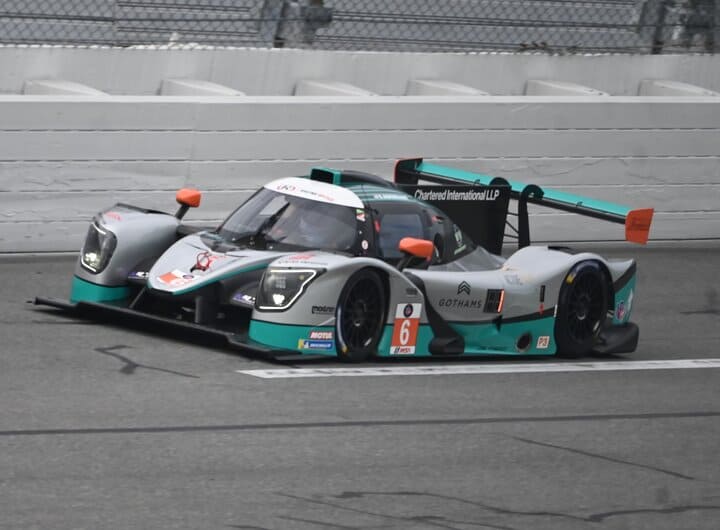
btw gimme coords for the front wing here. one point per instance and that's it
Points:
(179, 329)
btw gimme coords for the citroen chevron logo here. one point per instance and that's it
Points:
(464, 287)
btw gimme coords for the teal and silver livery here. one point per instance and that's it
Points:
(350, 265)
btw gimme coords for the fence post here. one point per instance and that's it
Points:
(298, 22)
(270, 21)
(715, 31)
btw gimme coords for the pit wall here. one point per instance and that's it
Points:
(63, 158)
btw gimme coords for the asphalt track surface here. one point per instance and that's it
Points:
(107, 428)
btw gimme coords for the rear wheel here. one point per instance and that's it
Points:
(360, 316)
(582, 309)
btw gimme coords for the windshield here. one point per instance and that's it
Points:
(400, 219)
(274, 221)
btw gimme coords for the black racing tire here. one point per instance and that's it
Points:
(360, 316)
(582, 309)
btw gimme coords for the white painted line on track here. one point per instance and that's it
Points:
(465, 369)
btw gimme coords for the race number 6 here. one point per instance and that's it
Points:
(405, 330)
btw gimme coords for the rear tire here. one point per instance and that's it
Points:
(360, 316)
(582, 309)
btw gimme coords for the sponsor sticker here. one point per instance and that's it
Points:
(458, 235)
(309, 344)
(457, 195)
(176, 278)
(405, 330)
(623, 309)
(204, 260)
(458, 303)
(543, 342)
(301, 257)
(323, 309)
(295, 190)
(463, 287)
(402, 350)
(113, 215)
(244, 298)
(620, 312)
(459, 245)
(321, 335)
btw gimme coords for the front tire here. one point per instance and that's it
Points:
(360, 316)
(582, 309)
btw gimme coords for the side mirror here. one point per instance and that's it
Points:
(420, 248)
(414, 248)
(187, 198)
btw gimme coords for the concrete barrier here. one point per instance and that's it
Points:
(327, 87)
(269, 72)
(440, 87)
(542, 87)
(195, 87)
(663, 87)
(64, 158)
(58, 87)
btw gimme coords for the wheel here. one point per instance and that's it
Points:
(582, 309)
(360, 316)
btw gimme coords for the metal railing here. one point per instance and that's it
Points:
(557, 26)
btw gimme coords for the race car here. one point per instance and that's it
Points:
(349, 264)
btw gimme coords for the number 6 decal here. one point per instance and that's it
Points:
(404, 337)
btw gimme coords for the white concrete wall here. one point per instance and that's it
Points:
(267, 72)
(62, 158)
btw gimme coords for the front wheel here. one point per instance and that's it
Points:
(360, 316)
(582, 309)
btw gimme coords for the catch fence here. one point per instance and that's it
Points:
(557, 26)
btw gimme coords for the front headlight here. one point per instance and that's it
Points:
(98, 248)
(281, 287)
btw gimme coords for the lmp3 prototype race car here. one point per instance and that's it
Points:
(348, 264)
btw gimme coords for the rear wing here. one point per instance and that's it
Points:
(637, 221)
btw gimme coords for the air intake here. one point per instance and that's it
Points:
(494, 301)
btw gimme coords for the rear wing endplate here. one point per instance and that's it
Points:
(637, 221)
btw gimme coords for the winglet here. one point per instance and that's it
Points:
(637, 225)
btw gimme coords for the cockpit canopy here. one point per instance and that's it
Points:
(278, 221)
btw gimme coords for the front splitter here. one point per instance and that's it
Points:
(179, 329)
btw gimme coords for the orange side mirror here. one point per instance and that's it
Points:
(420, 248)
(188, 197)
